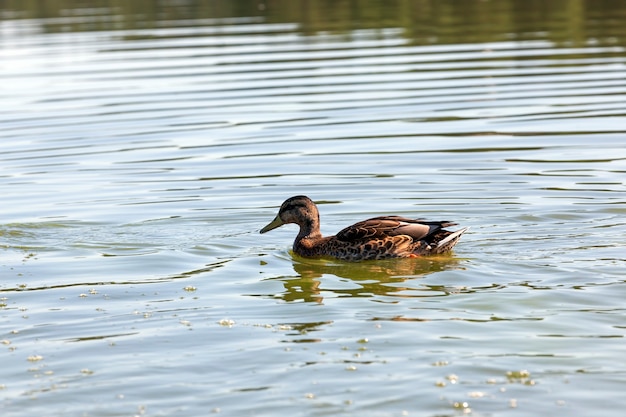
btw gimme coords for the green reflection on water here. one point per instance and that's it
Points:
(565, 22)
(362, 279)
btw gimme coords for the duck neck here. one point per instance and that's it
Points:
(308, 239)
(310, 229)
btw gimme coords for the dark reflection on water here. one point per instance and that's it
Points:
(403, 318)
(295, 330)
(364, 279)
(564, 22)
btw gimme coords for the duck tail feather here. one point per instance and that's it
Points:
(450, 241)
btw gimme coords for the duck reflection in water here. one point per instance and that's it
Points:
(317, 278)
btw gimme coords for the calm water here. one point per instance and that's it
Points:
(143, 146)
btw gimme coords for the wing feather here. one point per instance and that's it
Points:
(385, 226)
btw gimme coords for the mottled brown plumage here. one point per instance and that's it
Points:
(377, 238)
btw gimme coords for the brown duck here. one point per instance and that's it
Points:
(377, 238)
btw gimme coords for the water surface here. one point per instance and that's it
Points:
(144, 145)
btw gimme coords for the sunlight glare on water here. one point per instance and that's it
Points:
(144, 144)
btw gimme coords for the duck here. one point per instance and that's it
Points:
(377, 238)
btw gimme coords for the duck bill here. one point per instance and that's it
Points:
(277, 222)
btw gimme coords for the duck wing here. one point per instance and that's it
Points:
(384, 226)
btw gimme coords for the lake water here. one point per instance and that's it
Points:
(144, 144)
